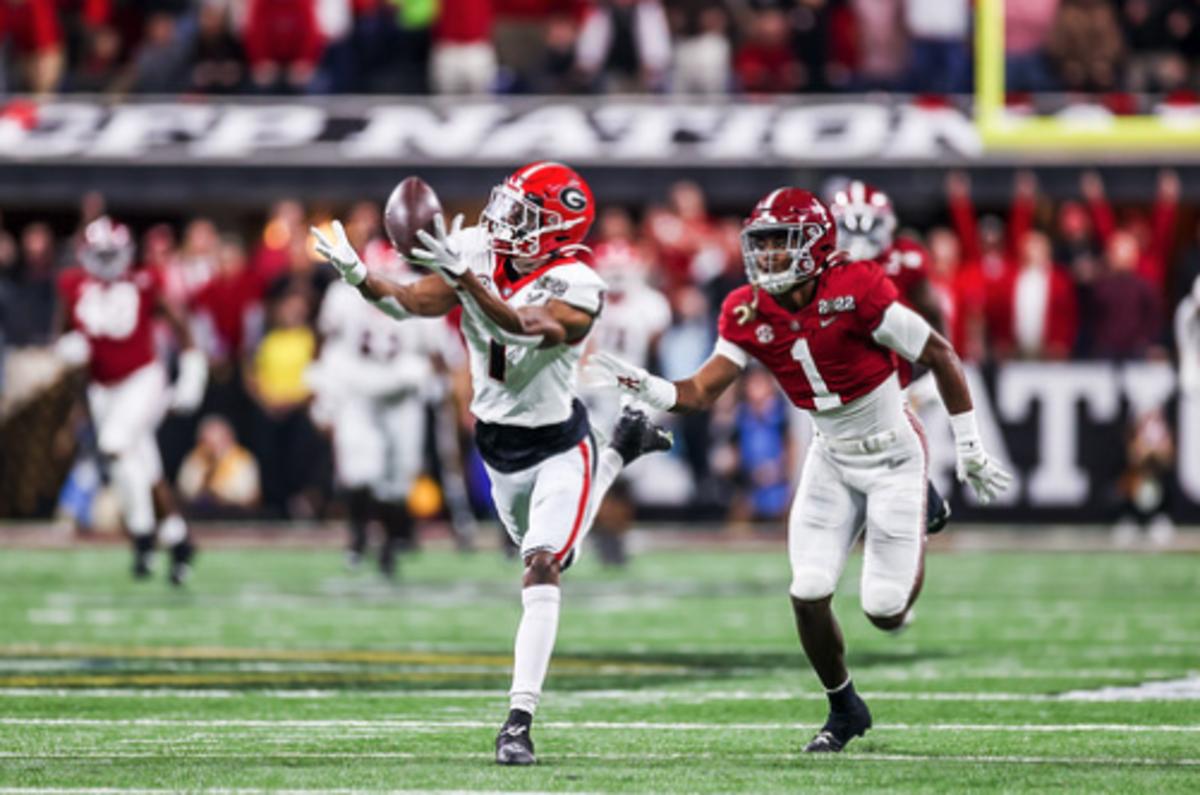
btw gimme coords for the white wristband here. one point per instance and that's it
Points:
(964, 426)
(660, 393)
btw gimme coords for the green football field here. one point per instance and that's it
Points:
(279, 670)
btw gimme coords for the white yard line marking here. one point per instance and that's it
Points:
(597, 725)
(635, 696)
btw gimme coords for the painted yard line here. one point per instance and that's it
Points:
(633, 696)
(243, 791)
(598, 725)
(1110, 761)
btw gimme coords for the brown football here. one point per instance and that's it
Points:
(411, 207)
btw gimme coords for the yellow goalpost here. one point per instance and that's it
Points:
(1001, 129)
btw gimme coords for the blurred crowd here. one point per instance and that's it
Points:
(704, 47)
(1042, 280)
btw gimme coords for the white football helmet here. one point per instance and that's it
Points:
(107, 249)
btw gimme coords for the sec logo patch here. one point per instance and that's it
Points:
(764, 333)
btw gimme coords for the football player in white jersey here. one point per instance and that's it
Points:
(635, 317)
(372, 381)
(528, 304)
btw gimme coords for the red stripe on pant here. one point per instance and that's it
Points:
(920, 578)
(581, 511)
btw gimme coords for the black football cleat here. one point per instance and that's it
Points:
(937, 511)
(635, 435)
(181, 563)
(143, 554)
(840, 728)
(514, 746)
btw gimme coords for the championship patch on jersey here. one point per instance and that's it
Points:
(552, 284)
(829, 306)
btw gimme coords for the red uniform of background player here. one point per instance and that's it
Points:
(827, 327)
(866, 230)
(107, 320)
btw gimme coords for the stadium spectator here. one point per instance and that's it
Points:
(881, 45)
(283, 44)
(230, 302)
(160, 62)
(624, 46)
(1125, 315)
(31, 296)
(219, 478)
(766, 63)
(941, 57)
(1040, 315)
(463, 59)
(766, 452)
(1086, 44)
(678, 232)
(1028, 25)
(284, 441)
(283, 225)
(33, 29)
(218, 65)
(195, 262)
(1155, 239)
(702, 47)
(521, 33)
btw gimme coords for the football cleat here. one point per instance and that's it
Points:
(840, 728)
(388, 555)
(514, 746)
(937, 511)
(181, 563)
(143, 554)
(635, 435)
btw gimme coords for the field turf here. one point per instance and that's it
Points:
(279, 670)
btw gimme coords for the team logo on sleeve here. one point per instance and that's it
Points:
(764, 334)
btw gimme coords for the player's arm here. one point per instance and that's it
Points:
(697, 392)
(192, 379)
(535, 326)
(905, 332)
(428, 297)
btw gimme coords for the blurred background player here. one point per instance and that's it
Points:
(528, 304)
(106, 320)
(829, 335)
(866, 230)
(634, 318)
(372, 381)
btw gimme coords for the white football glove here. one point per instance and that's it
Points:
(605, 371)
(973, 465)
(341, 254)
(73, 349)
(441, 254)
(191, 381)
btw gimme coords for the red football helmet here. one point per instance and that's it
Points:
(106, 250)
(540, 208)
(787, 240)
(866, 220)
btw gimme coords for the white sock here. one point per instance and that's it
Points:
(535, 642)
(172, 530)
(135, 490)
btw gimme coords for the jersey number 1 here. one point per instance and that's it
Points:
(822, 397)
(497, 361)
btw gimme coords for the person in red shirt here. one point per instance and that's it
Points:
(828, 335)
(34, 29)
(106, 321)
(866, 230)
(1157, 238)
(1039, 318)
(283, 43)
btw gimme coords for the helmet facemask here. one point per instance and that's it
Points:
(778, 257)
(106, 251)
(863, 235)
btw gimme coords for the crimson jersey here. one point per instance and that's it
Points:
(906, 264)
(822, 356)
(116, 317)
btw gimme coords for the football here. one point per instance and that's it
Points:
(411, 207)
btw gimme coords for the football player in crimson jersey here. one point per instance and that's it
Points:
(866, 229)
(106, 321)
(828, 335)
(529, 301)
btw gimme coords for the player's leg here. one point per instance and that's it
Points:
(559, 506)
(822, 527)
(173, 531)
(358, 455)
(402, 427)
(894, 549)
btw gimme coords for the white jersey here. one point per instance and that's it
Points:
(525, 387)
(631, 321)
(366, 354)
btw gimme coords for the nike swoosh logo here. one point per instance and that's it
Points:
(514, 731)
(827, 322)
